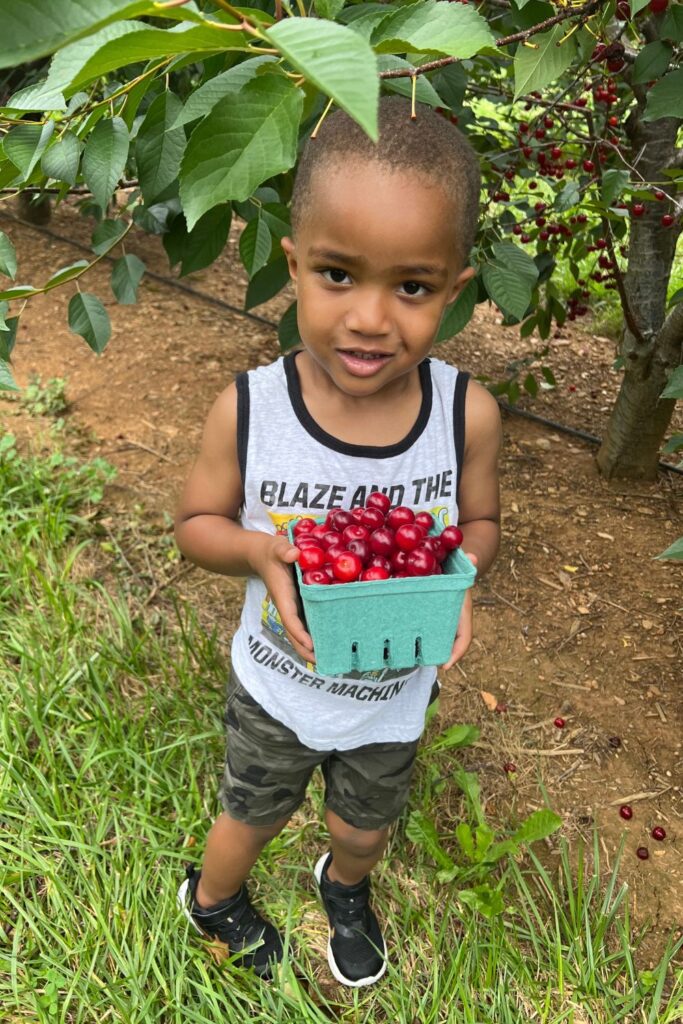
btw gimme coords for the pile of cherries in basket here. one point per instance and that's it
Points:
(376, 542)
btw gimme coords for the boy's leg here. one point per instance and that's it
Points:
(355, 851)
(232, 849)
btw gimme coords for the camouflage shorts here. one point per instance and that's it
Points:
(267, 770)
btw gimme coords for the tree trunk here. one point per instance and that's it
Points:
(639, 418)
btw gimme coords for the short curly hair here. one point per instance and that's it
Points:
(429, 146)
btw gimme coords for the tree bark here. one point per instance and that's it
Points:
(639, 419)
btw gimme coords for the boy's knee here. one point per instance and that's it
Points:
(358, 841)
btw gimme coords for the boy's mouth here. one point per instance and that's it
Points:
(361, 363)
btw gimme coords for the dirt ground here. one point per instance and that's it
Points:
(575, 619)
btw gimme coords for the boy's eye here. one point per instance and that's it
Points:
(405, 284)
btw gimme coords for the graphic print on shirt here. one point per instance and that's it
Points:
(271, 624)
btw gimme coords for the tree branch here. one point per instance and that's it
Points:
(671, 331)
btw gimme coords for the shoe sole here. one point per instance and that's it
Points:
(334, 967)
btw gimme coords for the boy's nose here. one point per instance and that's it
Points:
(368, 313)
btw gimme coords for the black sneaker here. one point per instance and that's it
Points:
(233, 925)
(356, 951)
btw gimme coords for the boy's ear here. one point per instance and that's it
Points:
(466, 275)
(289, 250)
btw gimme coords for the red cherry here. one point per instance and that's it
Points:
(615, 64)
(517, 229)
(588, 166)
(355, 532)
(658, 6)
(311, 558)
(382, 541)
(347, 567)
(318, 531)
(580, 102)
(373, 518)
(399, 516)
(409, 536)
(425, 520)
(436, 547)
(381, 562)
(333, 552)
(559, 723)
(302, 526)
(399, 561)
(306, 541)
(501, 708)
(658, 833)
(523, 127)
(533, 185)
(539, 133)
(509, 767)
(667, 220)
(451, 537)
(638, 209)
(360, 548)
(642, 853)
(661, 196)
(378, 500)
(340, 519)
(316, 576)
(374, 572)
(613, 120)
(600, 243)
(329, 538)
(357, 513)
(556, 152)
(626, 812)
(548, 122)
(327, 568)
(421, 562)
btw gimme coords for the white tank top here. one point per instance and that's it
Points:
(291, 468)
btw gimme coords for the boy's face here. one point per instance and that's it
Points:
(363, 317)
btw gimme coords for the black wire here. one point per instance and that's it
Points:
(212, 299)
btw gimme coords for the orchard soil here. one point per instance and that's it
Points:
(576, 619)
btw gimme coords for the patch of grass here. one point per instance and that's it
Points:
(110, 751)
(48, 399)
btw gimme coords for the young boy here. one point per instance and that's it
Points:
(380, 240)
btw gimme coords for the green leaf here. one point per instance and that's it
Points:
(637, 6)
(511, 255)
(336, 60)
(450, 83)
(244, 140)
(651, 62)
(537, 826)
(613, 184)
(126, 275)
(288, 329)
(673, 553)
(30, 28)
(159, 147)
(198, 248)
(568, 197)
(65, 274)
(129, 42)
(672, 26)
(530, 385)
(205, 98)
(510, 292)
(483, 899)
(267, 282)
(25, 144)
(61, 160)
(469, 784)
(421, 831)
(255, 246)
(454, 738)
(665, 99)
(106, 235)
(19, 291)
(674, 386)
(8, 336)
(39, 96)
(328, 8)
(157, 218)
(89, 318)
(7, 382)
(8, 257)
(674, 444)
(427, 26)
(463, 834)
(457, 316)
(538, 67)
(104, 158)
(424, 90)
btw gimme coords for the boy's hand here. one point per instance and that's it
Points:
(272, 563)
(463, 637)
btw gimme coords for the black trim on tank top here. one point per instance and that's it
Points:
(242, 385)
(358, 450)
(459, 395)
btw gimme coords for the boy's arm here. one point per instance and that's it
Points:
(479, 494)
(206, 527)
(478, 498)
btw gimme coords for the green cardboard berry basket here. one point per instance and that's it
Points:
(394, 623)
